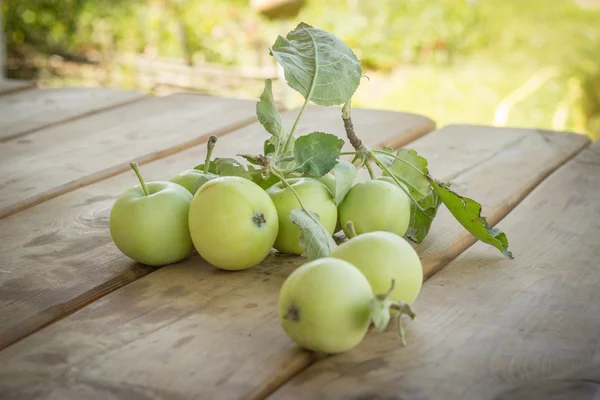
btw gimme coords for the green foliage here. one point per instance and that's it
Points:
(316, 153)
(453, 60)
(315, 240)
(323, 69)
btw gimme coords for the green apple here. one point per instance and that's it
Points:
(316, 198)
(149, 222)
(381, 257)
(233, 223)
(188, 178)
(329, 181)
(375, 205)
(324, 305)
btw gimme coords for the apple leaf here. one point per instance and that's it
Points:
(420, 222)
(411, 168)
(345, 173)
(269, 117)
(315, 239)
(317, 153)
(387, 159)
(268, 147)
(252, 159)
(231, 167)
(202, 180)
(468, 213)
(260, 179)
(212, 168)
(318, 65)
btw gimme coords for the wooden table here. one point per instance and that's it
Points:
(79, 320)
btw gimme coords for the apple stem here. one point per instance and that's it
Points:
(350, 229)
(369, 168)
(210, 145)
(136, 169)
(282, 179)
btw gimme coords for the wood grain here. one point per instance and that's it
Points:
(191, 331)
(58, 256)
(28, 111)
(11, 85)
(143, 131)
(77, 153)
(493, 328)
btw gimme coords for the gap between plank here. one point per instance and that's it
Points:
(18, 89)
(59, 311)
(73, 118)
(117, 169)
(271, 385)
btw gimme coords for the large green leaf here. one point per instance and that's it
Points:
(318, 65)
(317, 153)
(468, 213)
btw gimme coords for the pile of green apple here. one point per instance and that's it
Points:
(159, 223)
(294, 197)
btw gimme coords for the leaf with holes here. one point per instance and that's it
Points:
(468, 213)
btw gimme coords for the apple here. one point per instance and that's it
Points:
(233, 223)
(381, 257)
(375, 205)
(324, 305)
(188, 178)
(316, 198)
(329, 181)
(149, 222)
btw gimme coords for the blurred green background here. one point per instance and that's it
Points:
(527, 63)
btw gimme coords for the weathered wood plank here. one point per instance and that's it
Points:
(190, 330)
(11, 85)
(492, 328)
(25, 112)
(74, 154)
(58, 256)
(145, 130)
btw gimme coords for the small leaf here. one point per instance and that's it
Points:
(250, 158)
(413, 175)
(202, 180)
(212, 168)
(268, 148)
(344, 173)
(380, 313)
(263, 182)
(468, 213)
(317, 153)
(268, 115)
(231, 167)
(420, 222)
(318, 65)
(315, 239)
